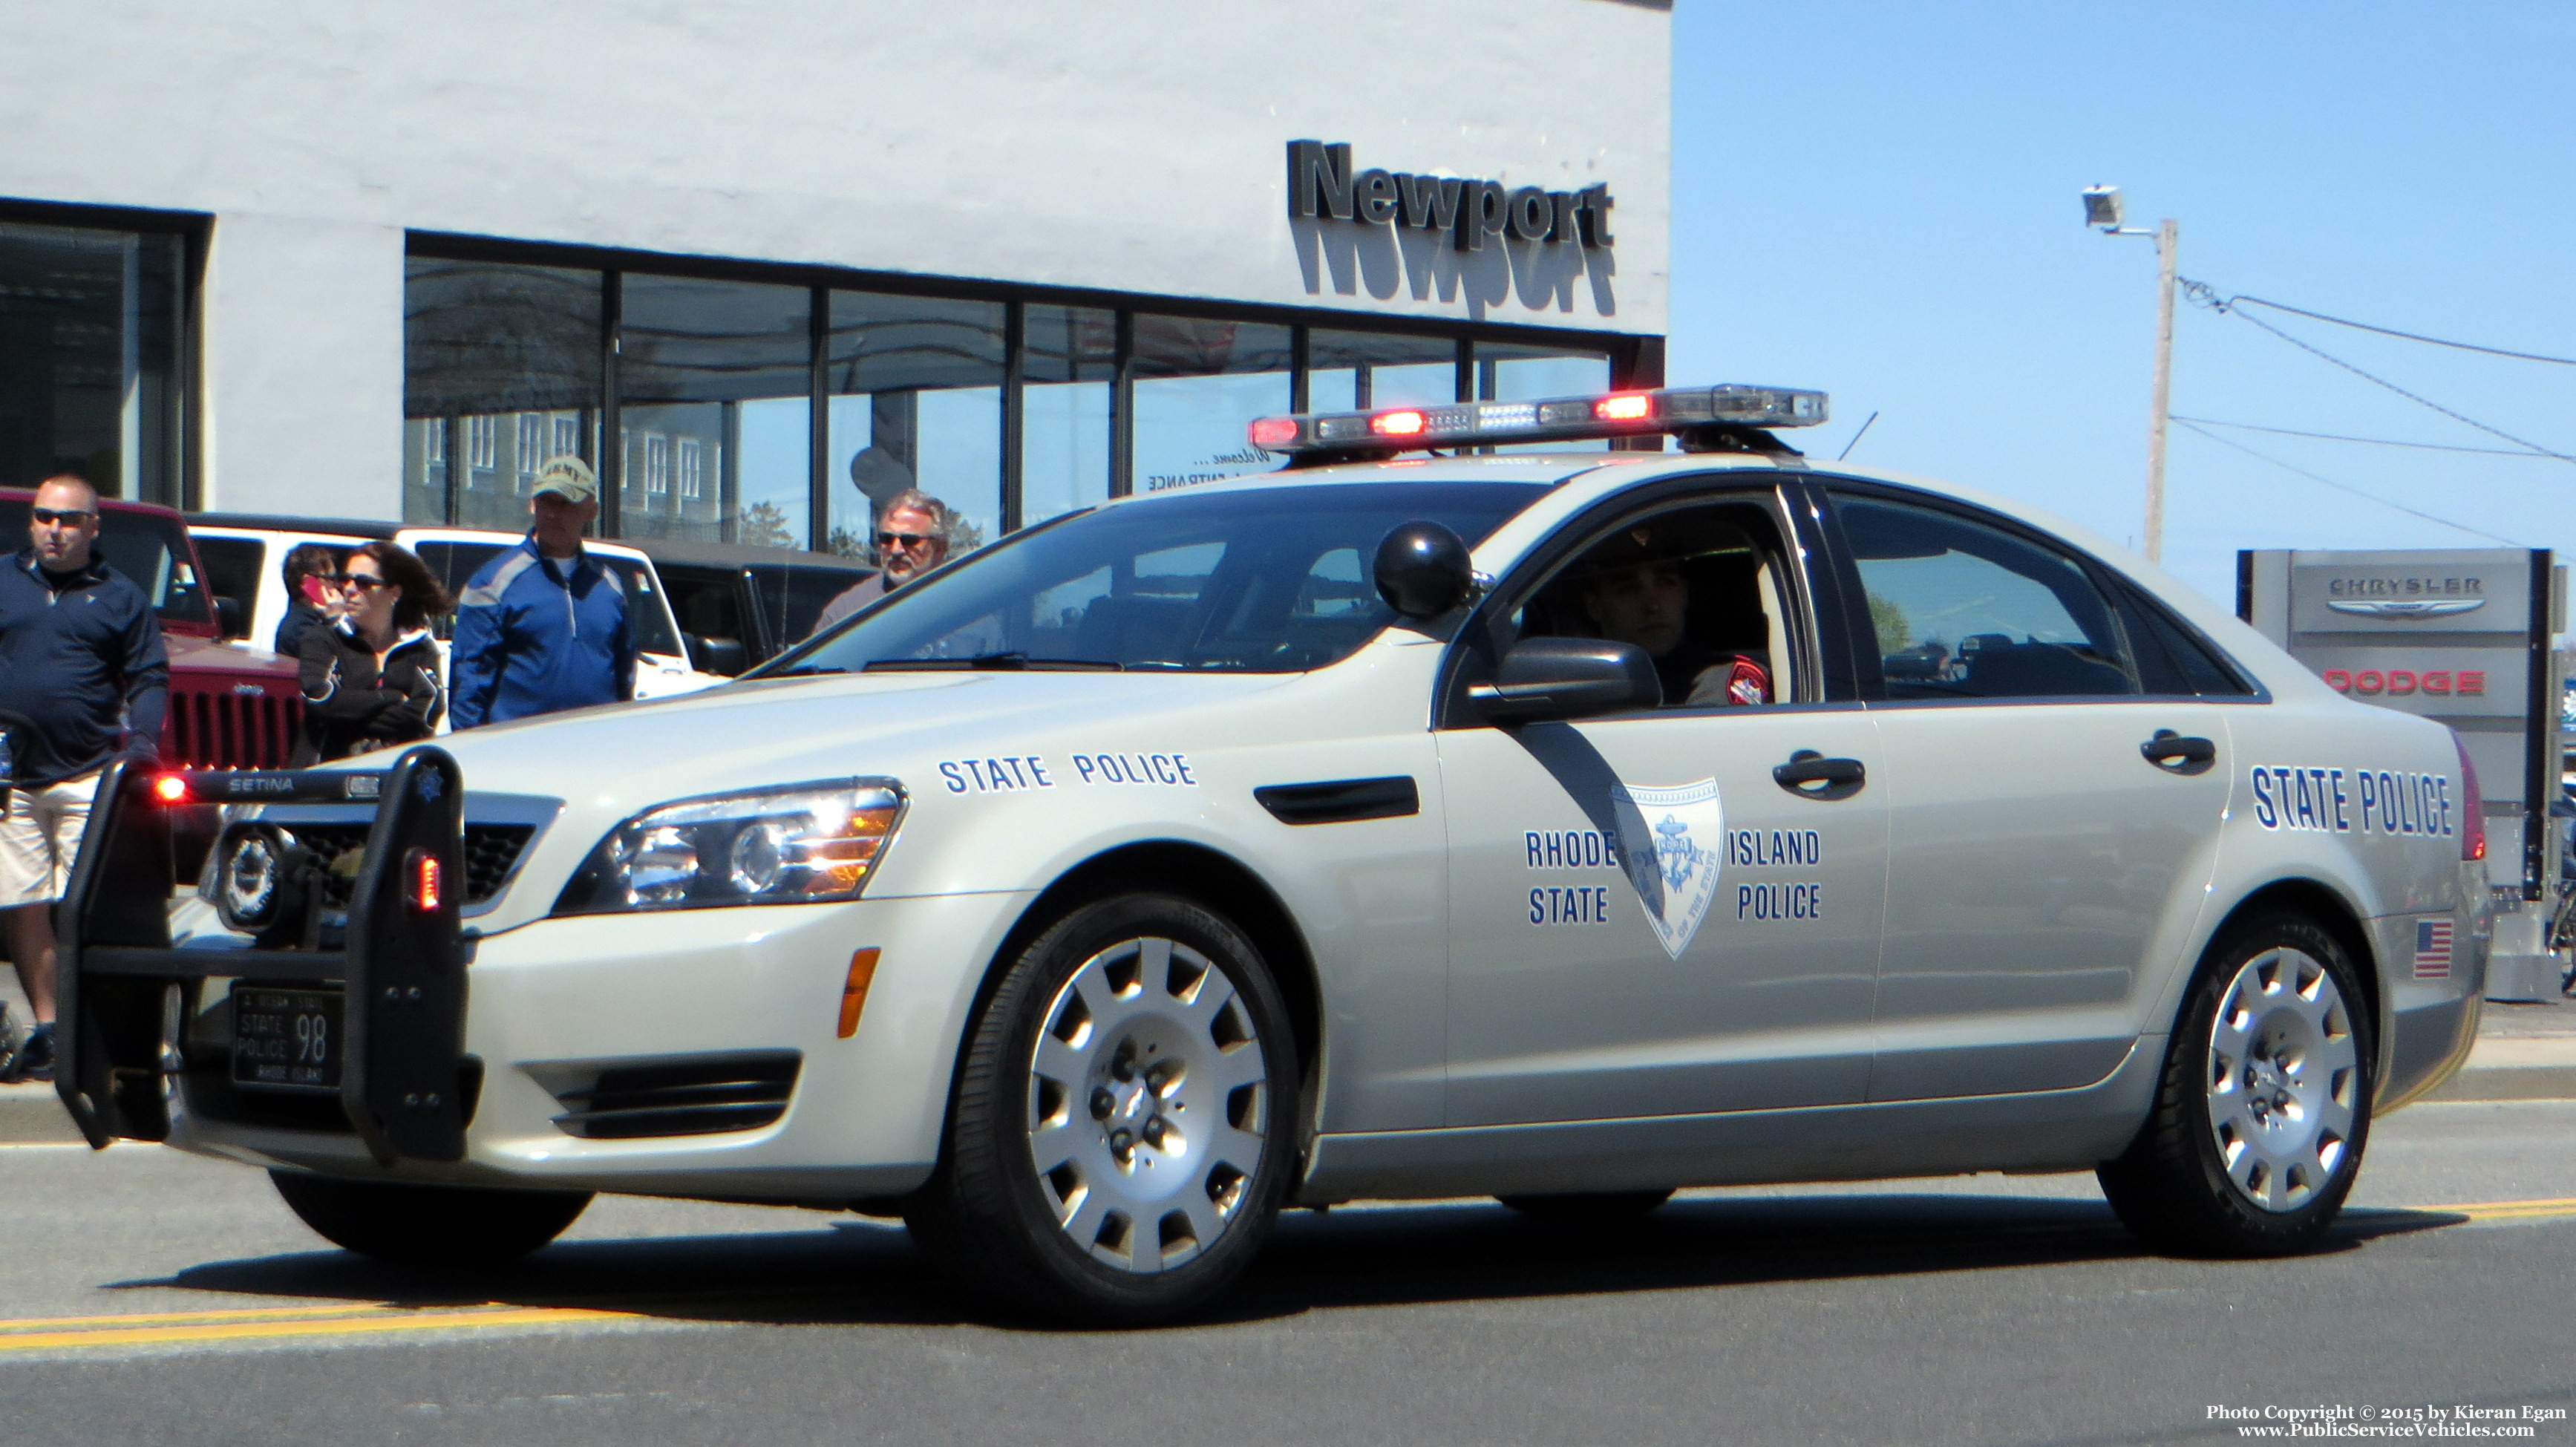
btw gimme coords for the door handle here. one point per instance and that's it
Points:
(1811, 775)
(2178, 753)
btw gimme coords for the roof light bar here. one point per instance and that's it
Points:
(1720, 417)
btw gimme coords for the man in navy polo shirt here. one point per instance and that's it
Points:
(543, 626)
(83, 677)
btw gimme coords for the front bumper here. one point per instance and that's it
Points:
(691, 1052)
(558, 1004)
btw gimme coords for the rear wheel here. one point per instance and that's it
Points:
(1588, 1206)
(2264, 1105)
(429, 1225)
(1124, 1123)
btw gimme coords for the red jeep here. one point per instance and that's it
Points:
(231, 707)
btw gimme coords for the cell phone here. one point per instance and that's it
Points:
(315, 591)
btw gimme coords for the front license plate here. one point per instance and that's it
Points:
(286, 1039)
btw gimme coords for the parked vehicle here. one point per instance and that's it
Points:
(741, 606)
(245, 554)
(662, 664)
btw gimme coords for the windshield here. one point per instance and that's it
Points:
(647, 615)
(1274, 580)
(149, 548)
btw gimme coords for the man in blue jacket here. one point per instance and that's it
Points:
(83, 678)
(543, 626)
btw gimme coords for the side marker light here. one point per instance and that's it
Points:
(854, 990)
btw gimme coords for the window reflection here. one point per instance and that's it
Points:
(1199, 382)
(1064, 409)
(89, 338)
(501, 371)
(713, 376)
(916, 401)
(1354, 371)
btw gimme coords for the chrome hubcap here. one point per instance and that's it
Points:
(2283, 1080)
(1148, 1103)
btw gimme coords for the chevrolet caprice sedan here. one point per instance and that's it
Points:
(1568, 827)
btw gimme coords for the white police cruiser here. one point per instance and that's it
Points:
(1568, 827)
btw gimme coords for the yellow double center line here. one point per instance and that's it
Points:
(182, 1327)
(2510, 1210)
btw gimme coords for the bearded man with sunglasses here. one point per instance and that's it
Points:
(911, 539)
(83, 678)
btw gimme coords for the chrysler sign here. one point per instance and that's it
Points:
(1322, 186)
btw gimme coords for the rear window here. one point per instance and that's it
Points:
(648, 614)
(148, 548)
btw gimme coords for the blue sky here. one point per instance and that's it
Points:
(1880, 200)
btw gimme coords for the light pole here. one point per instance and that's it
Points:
(2102, 209)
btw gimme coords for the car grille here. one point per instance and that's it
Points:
(705, 1095)
(207, 730)
(490, 852)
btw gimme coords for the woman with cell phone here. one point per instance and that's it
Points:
(370, 677)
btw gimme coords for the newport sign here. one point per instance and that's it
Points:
(1322, 186)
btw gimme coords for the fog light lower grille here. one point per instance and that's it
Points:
(697, 1095)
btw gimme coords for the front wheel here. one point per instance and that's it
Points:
(2264, 1105)
(429, 1225)
(1125, 1119)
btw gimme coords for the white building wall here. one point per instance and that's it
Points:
(1131, 145)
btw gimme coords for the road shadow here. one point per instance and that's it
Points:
(864, 1272)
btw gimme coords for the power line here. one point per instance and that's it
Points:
(2373, 441)
(2344, 487)
(2203, 294)
(2394, 332)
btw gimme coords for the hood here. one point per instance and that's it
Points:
(772, 731)
(206, 655)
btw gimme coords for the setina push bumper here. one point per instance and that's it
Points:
(363, 1009)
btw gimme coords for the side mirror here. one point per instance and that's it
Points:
(723, 657)
(1423, 570)
(1560, 678)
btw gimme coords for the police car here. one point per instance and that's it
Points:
(1437, 816)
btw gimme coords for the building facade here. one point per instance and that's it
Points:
(762, 263)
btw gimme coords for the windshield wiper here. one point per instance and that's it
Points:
(805, 670)
(1012, 662)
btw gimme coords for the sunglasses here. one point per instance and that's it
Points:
(906, 540)
(65, 516)
(362, 580)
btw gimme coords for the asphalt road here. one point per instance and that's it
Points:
(149, 1296)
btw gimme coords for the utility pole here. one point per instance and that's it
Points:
(2102, 210)
(2168, 235)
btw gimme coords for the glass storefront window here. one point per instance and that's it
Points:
(713, 381)
(89, 358)
(1064, 409)
(915, 386)
(500, 372)
(1199, 383)
(1354, 371)
(1515, 372)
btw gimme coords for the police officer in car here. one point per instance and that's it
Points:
(1634, 591)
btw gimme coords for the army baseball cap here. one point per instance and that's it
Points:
(569, 478)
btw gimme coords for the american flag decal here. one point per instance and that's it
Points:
(2433, 949)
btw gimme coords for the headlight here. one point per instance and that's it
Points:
(790, 845)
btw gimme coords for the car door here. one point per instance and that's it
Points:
(2052, 819)
(1649, 916)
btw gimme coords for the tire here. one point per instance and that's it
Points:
(1125, 1119)
(2263, 1109)
(429, 1225)
(1589, 1207)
